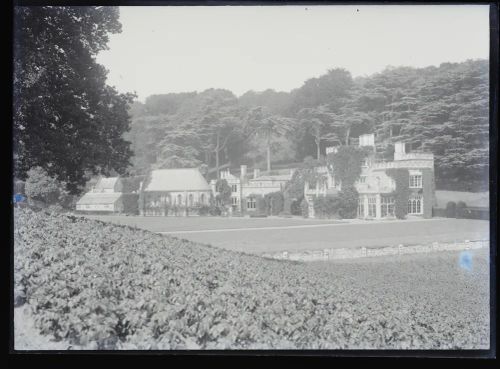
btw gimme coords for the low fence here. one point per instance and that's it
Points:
(351, 253)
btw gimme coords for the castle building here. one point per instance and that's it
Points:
(246, 189)
(377, 186)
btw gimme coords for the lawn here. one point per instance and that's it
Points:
(255, 235)
(174, 224)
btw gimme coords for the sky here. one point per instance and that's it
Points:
(240, 48)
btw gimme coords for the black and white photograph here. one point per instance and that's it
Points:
(251, 177)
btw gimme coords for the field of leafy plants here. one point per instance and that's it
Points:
(102, 286)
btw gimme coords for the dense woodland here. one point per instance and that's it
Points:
(71, 124)
(440, 109)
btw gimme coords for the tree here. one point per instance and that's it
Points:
(223, 190)
(267, 127)
(66, 119)
(346, 164)
(318, 122)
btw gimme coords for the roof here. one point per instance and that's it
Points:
(472, 199)
(284, 177)
(106, 183)
(186, 179)
(91, 198)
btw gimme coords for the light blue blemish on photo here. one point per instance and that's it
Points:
(465, 260)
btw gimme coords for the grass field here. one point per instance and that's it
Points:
(256, 235)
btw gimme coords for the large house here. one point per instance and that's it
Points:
(104, 197)
(246, 188)
(174, 192)
(376, 187)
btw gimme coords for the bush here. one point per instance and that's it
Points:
(214, 210)
(130, 203)
(287, 206)
(451, 209)
(261, 205)
(327, 206)
(42, 188)
(461, 209)
(348, 203)
(204, 210)
(296, 207)
(274, 202)
(304, 208)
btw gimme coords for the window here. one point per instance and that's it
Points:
(202, 198)
(415, 205)
(372, 206)
(416, 181)
(251, 203)
(179, 199)
(362, 179)
(361, 207)
(387, 206)
(364, 163)
(191, 199)
(234, 201)
(234, 188)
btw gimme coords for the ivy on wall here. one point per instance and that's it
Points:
(326, 206)
(305, 173)
(274, 202)
(428, 191)
(402, 192)
(346, 163)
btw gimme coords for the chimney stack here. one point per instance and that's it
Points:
(399, 150)
(243, 173)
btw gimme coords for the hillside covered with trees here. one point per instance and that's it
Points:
(441, 109)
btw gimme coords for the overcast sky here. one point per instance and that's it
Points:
(177, 49)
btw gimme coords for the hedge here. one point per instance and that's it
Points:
(130, 203)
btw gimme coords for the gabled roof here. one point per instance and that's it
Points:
(106, 183)
(91, 198)
(186, 179)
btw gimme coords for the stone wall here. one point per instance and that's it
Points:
(351, 253)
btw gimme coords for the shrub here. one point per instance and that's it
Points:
(287, 206)
(348, 203)
(41, 187)
(327, 206)
(451, 209)
(130, 203)
(204, 210)
(296, 206)
(304, 208)
(274, 202)
(214, 210)
(261, 205)
(461, 209)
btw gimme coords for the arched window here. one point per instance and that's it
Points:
(191, 200)
(415, 205)
(179, 199)
(202, 198)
